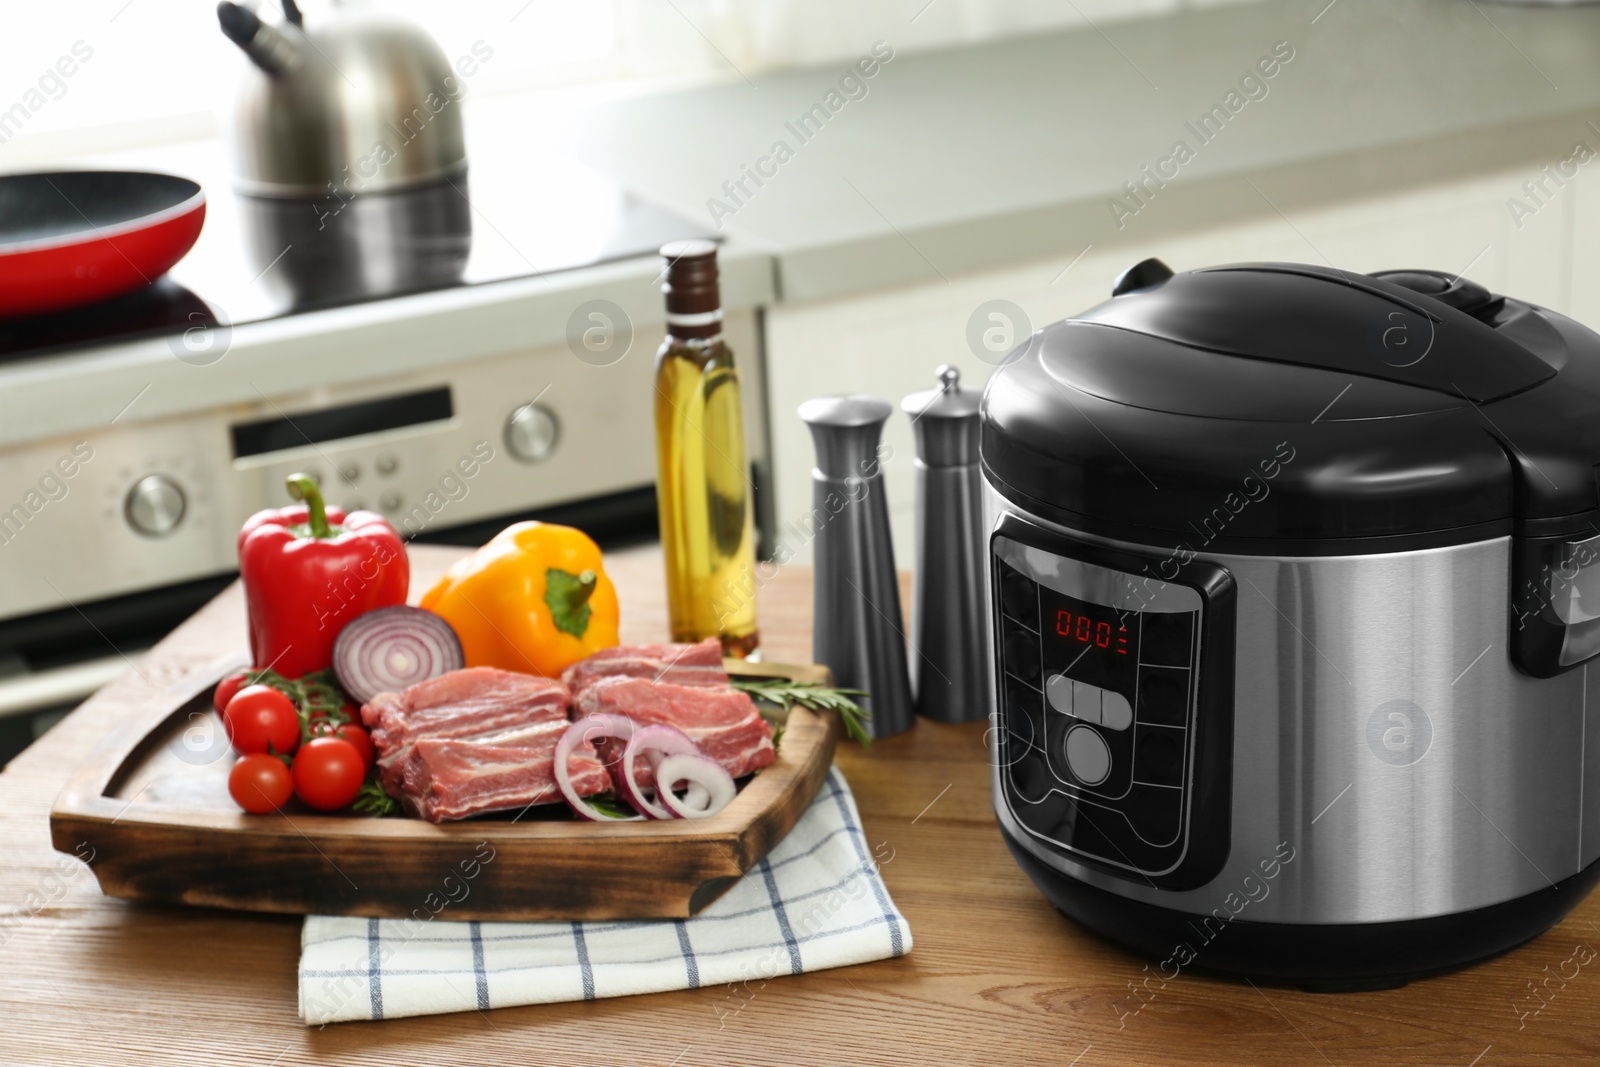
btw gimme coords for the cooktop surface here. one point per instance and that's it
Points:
(520, 210)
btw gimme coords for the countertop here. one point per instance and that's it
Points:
(996, 975)
(984, 157)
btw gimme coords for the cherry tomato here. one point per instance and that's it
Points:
(260, 784)
(225, 690)
(352, 733)
(259, 716)
(328, 772)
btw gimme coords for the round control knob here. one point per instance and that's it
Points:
(155, 505)
(1088, 755)
(531, 433)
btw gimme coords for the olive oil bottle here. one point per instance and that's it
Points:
(703, 482)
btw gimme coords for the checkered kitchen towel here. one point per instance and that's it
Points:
(815, 902)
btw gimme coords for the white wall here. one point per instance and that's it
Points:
(159, 71)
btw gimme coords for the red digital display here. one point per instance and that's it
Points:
(1090, 631)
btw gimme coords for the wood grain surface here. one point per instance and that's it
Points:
(996, 976)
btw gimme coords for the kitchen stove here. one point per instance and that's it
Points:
(180, 409)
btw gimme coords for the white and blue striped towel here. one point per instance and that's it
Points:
(816, 901)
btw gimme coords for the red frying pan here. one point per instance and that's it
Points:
(75, 237)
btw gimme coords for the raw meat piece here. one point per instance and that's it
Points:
(538, 740)
(479, 703)
(689, 665)
(473, 741)
(723, 722)
(462, 778)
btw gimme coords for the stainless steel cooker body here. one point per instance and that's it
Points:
(1384, 760)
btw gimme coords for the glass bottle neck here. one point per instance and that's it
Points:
(703, 326)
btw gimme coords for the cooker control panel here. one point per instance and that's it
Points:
(1100, 693)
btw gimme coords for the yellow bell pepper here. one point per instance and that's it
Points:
(534, 599)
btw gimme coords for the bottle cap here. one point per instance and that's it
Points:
(690, 283)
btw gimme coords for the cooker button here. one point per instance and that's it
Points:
(1086, 701)
(1088, 756)
(1078, 699)
(1019, 597)
(1115, 711)
(1017, 727)
(1164, 696)
(1157, 814)
(1158, 760)
(387, 464)
(1164, 638)
(1022, 654)
(1030, 778)
(1058, 691)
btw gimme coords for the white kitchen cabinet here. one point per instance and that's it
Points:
(889, 342)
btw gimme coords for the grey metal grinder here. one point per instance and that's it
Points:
(856, 623)
(948, 650)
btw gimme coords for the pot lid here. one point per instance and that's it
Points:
(1296, 402)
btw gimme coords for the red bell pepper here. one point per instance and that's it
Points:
(308, 570)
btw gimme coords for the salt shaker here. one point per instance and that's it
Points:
(947, 640)
(856, 625)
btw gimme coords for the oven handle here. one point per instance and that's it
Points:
(23, 694)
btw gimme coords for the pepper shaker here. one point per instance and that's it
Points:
(856, 625)
(947, 645)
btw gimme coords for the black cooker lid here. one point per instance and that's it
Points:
(1286, 402)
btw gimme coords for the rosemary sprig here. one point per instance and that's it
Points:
(316, 697)
(785, 694)
(374, 800)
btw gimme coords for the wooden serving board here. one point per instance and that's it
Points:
(151, 804)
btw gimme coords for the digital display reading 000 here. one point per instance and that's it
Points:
(1109, 634)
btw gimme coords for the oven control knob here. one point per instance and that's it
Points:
(1088, 755)
(531, 433)
(155, 505)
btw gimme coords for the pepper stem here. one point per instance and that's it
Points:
(568, 595)
(580, 593)
(303, 487)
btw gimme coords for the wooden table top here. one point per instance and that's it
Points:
(996, 976)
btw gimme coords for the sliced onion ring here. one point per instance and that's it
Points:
(590, 728)
(699, 771)
(666, 740)
(388, 649)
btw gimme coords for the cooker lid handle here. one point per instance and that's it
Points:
(1457, 292)
(1142, 275)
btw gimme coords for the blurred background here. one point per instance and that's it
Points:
(159, 74)
(381, 282)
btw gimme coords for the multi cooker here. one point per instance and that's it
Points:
(1293, 577)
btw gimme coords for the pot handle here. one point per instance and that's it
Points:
(1555, 603)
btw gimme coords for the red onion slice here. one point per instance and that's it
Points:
(388, 649)
(711, 778)
(590, 728)
(666, 740)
